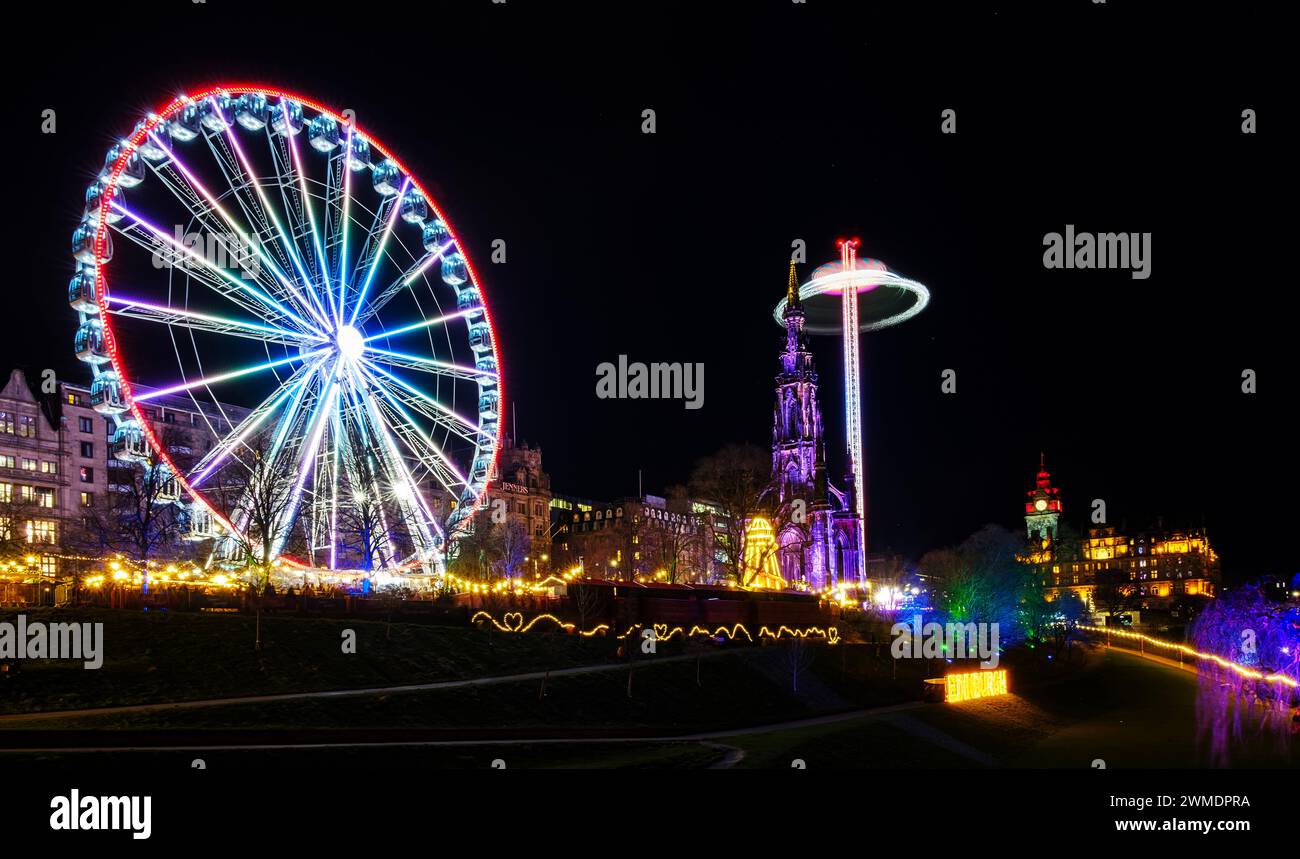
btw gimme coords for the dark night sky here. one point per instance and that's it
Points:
(781, 121)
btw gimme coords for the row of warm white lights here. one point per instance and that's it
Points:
(1248, 673)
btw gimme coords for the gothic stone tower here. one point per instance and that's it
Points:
(798, 458)
(812, 539)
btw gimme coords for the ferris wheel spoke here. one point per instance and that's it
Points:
(421, 408)
(406, 490)
(374, 252)
(160, 245)
(137, 309)
(345, 182)
(227, 376)
(315, 428)
(403, 281)
(422, 324)
(336, 462)
(322, 262)
(445, 416)
(255, 240)
(365, 470)
(202, 204)
(422, 447)
(313, 305)
(405, 426)
(429, 365)
(211, 268)
(250, 424)
(299, 228)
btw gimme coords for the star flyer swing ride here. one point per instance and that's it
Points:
(294, 263)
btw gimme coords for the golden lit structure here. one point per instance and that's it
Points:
(1149, 570)
(975, 684)
(760, 562)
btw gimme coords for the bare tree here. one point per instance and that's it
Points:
(142, 517)
(361, 528)
(982, 580)
(1115, 593)
(515, 545)
(257, 496)
(799, 656)
(673, 544)
(588, 601)
(735, 480)
(476, 553)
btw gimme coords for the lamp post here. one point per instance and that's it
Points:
(34, 571)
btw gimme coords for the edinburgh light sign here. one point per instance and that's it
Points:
(976, 684)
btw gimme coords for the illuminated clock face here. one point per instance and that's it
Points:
(1040, 504)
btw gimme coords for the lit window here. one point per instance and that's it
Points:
(41, 531)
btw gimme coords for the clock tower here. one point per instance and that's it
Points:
(1043, 506)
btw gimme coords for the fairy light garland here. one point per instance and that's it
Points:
(1248, 673)
(513, 621)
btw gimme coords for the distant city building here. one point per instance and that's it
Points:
(650, 538)
(1109, 569)
(524, 488)
(57, 463)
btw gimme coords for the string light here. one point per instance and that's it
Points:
(513, 621)
(1248, 673)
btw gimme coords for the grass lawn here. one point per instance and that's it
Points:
(687, 755)
(1106, 705)
(737, 687)
(169, 656)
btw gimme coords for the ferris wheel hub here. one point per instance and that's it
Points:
(350, 342)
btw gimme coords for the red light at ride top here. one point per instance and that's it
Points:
(853, 243)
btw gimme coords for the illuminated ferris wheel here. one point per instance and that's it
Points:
(245, 245)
